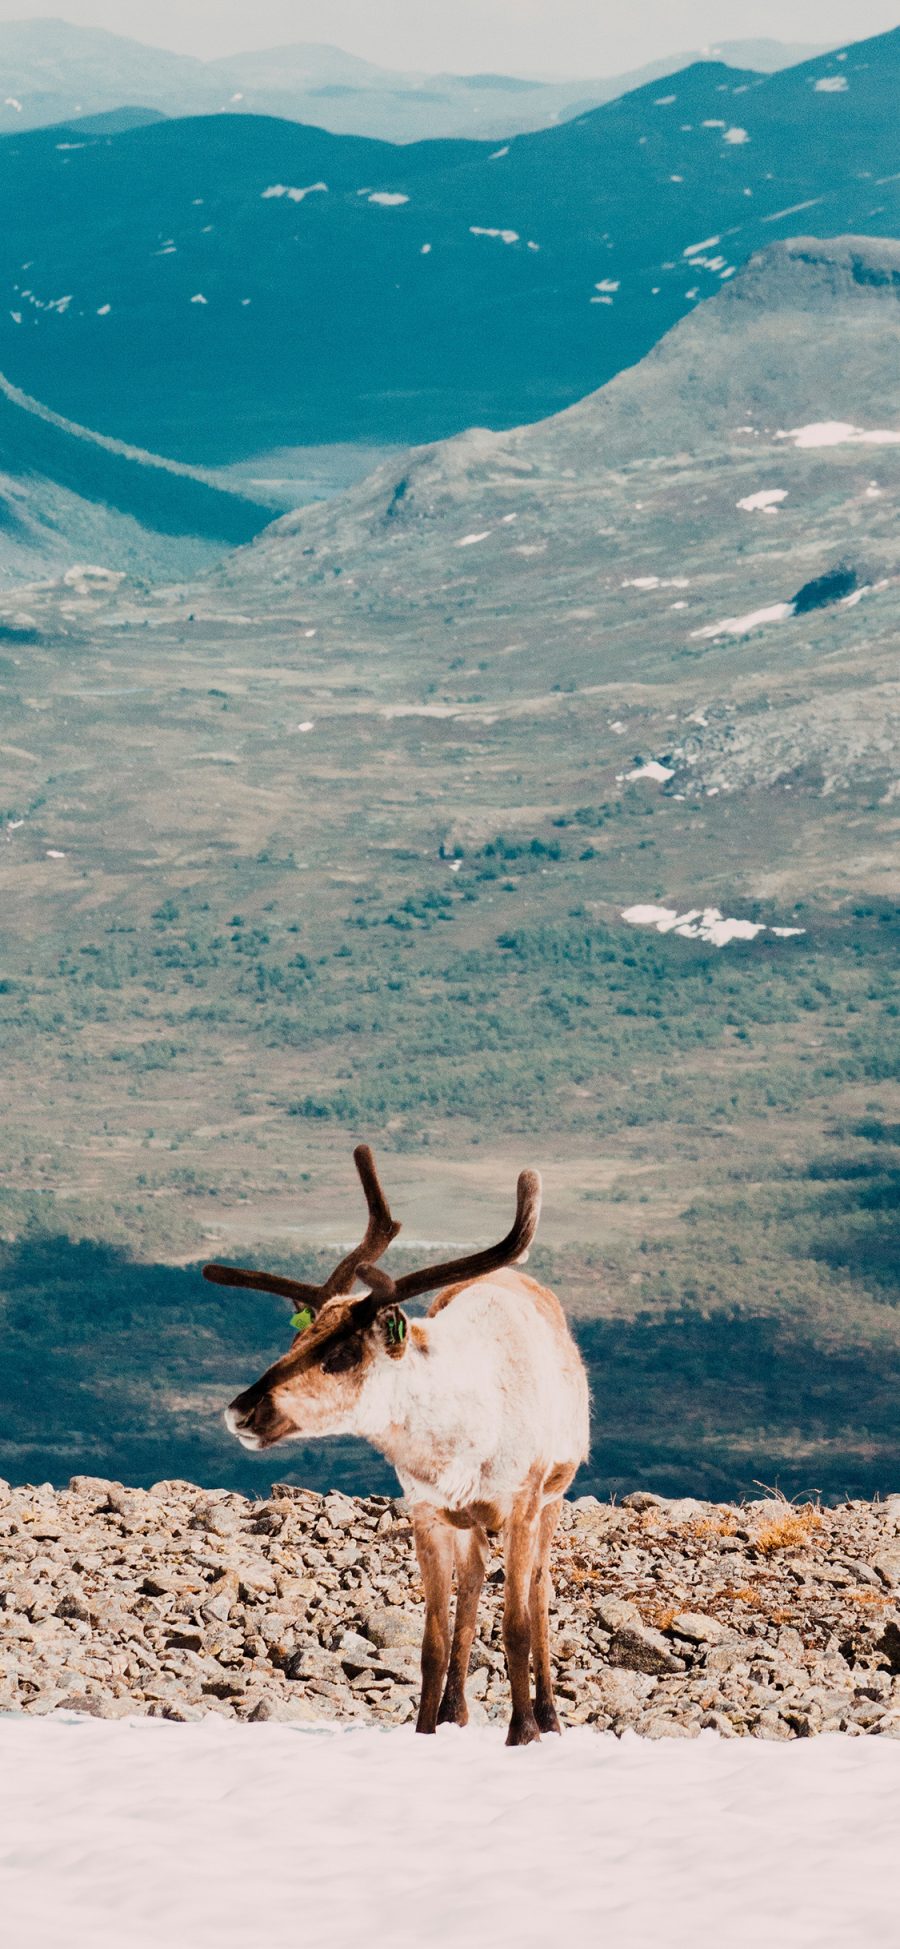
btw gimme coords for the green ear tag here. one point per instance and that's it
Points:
(303, 1319)
(396, 1327)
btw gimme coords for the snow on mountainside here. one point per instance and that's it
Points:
(192, 309)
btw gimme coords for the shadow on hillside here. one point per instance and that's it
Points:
(119, 1369)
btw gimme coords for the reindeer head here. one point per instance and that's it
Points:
(314, 1389)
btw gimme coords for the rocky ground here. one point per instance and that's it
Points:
(768, 1619)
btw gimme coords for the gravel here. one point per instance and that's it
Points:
(668, 1616)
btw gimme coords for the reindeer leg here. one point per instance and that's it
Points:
(471, 1555)
(539, 1604)
(521, 1540)
(434, 1548)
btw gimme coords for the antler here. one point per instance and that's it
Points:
(381, 1229)
(511, 1249)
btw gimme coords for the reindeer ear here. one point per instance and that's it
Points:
(395, 1329)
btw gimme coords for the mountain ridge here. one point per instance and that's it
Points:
(195, 286)
(53, 66)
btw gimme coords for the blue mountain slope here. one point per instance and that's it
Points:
(60, 482)
(217, 285)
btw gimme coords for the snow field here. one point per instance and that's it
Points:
(213, 1835)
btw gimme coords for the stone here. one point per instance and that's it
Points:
(719, 1722)
(724, 1657)
(660, 1726)
(770, 1725)
(686, 1509)
(390, 1628)
(889, 1643)
(340, 1512)
(299, 1711)
(887, 1565)
(641, 1649)
(98, 1487)
(790, 1644)
(217, 1519)
(641, 1499)
(698, 1628)
(616, 1613)
(74, 1605)
(402, 1663)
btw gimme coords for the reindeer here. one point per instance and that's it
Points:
(482, 1409)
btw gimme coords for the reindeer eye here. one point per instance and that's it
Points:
(342, 1358)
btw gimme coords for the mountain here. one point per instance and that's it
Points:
(533, 803)
(211, 287)
(747, 458)
(66, 491)
(55, 71)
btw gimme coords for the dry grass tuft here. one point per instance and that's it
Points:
(723, 1522)
(793, 1530)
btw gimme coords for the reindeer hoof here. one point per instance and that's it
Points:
(453, 1710)
(523, 1731)
(547, 1718)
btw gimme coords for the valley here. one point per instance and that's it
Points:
(339, 840)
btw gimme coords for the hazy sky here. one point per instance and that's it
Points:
(558, 36)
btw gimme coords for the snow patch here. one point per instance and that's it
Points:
(777, 612)
(389, 199)
(831, 84)
(736, 137)
(703, 924)
(198, 299)
(656, 582)
(838, 433)
(651, 768)
(505, 236)
(293, 195)
(708, 243)
(468, 541)
(497, 153)
(765, 501)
